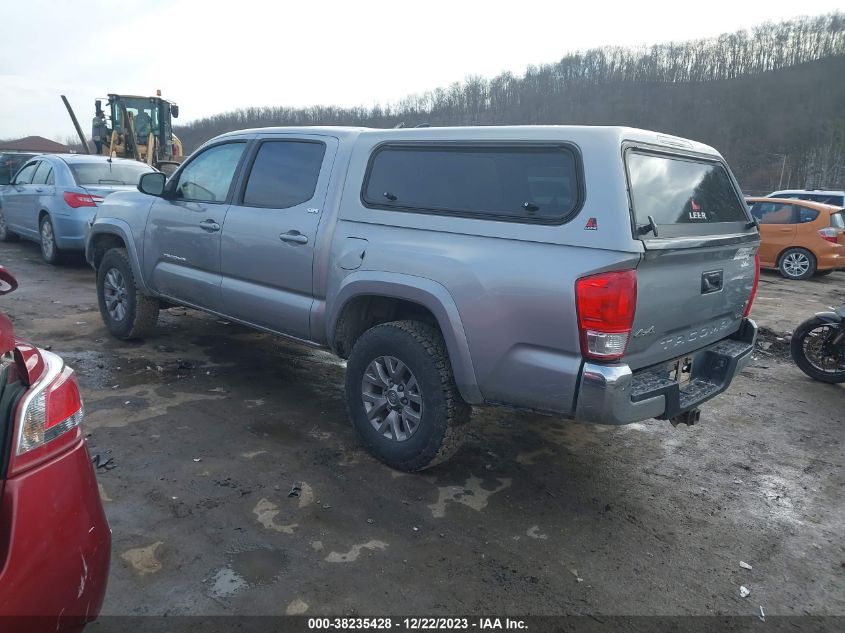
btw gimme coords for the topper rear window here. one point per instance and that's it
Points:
(684, 193)
(536, 184)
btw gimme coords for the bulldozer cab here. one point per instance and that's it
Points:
(146, 124)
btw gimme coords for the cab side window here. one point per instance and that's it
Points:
(208, 177)
(24, 176)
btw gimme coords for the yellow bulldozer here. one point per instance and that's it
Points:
(134, 127)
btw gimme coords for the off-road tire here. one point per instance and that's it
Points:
(5, 234)
(783, 268)
(141, 310)
(445, 415)
(796, 348)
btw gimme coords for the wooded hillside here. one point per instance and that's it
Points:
(772, 100)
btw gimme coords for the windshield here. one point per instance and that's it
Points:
(144, 113)
(109, 173)
(837, 220)
(10, 164)
(684, 192)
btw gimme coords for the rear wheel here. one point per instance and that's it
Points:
(5, 234)
(126, 311)
(817, 352)
(797, 263)
(402, 396)
(49, 251)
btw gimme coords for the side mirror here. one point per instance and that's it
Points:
(7, 281)
(174, 110)
(152, 184)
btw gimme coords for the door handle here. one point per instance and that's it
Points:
(294, 236)
(39, 189)
(210, 225)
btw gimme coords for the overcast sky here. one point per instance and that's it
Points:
(214, 56)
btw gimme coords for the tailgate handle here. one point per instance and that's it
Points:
(711, 281)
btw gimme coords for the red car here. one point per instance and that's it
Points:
(55, 542)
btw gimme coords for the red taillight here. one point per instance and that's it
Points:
(606, 303)
(63, 401)
(830, 234)
(49, 416)
(753, 287)
(75, 200)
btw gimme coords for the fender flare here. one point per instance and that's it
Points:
(829, 317)
(427, 293)
(120, 229)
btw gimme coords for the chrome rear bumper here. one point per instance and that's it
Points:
(613, 394)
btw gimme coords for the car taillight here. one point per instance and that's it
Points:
(49, 416)
(753, 287)
(830, 234)
(606, 303)
(75, 200)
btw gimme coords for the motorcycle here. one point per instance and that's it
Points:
(818, 346)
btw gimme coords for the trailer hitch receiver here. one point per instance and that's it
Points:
(687, 417)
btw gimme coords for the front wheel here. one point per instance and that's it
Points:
(818, 348)
(797, 263)
(402, 396)
(126, 311)
(49, 251)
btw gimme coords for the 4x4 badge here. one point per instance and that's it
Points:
(591, 225)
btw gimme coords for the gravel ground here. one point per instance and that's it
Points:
(211, 426)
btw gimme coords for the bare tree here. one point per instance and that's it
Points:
(774, 91)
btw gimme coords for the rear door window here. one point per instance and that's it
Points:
(773, 213)
(514, 183)
(284, 174)
(685, 196)
(42, 173)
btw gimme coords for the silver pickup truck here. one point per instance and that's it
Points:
(603, 274)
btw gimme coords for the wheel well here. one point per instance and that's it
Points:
(361, 313)
(793, 248)
(41, 215)
(102, 244)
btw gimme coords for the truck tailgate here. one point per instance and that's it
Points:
(688, 298)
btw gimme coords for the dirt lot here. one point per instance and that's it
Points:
(210, 425)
